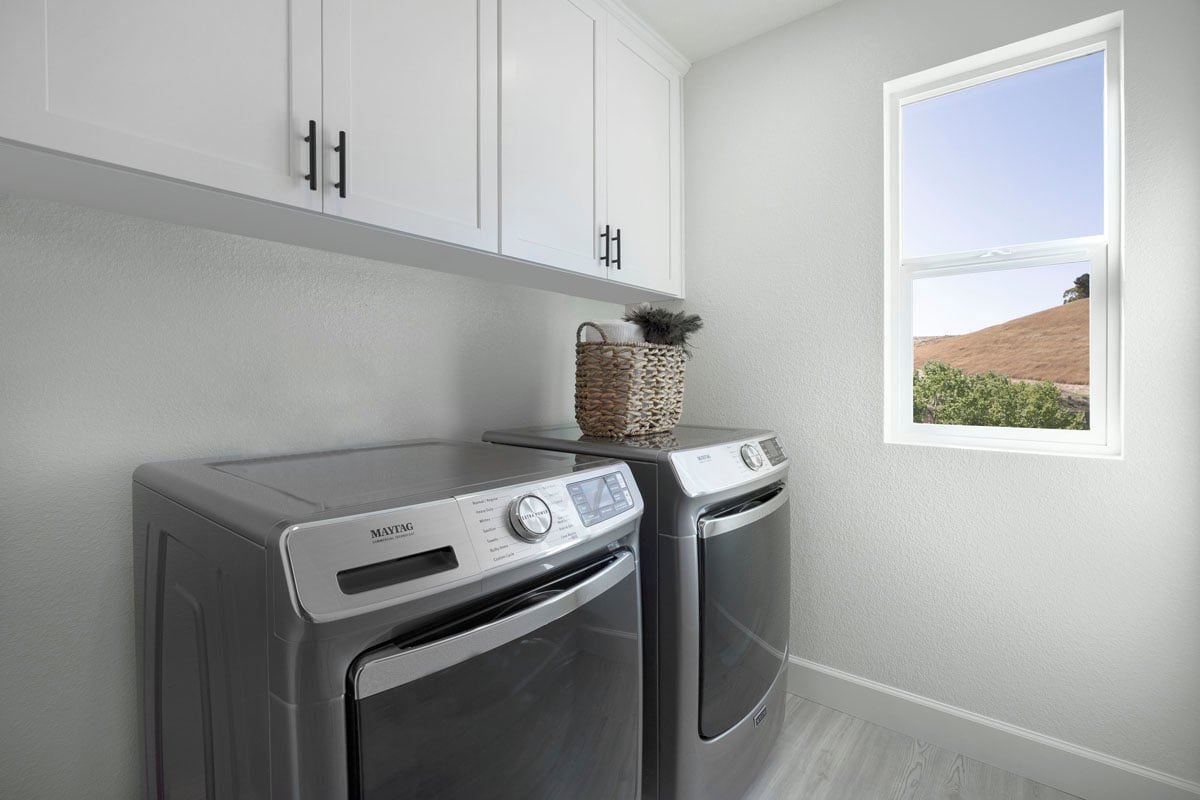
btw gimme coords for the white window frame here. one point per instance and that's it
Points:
(1103, 253)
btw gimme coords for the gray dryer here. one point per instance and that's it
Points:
(715, 548)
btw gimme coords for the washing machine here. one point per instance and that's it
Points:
(422, 619)
(715, 558)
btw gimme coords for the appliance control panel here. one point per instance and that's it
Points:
(348, 565)
(773, 450)
(601, 498)
(712, 469)
(516, 523)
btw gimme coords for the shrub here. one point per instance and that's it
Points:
(948, 396)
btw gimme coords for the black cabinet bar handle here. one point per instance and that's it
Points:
(607, 245)
(311, 177)
(617, 242)
(341, 151)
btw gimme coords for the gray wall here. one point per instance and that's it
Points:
(125, 340)
(1058, 594)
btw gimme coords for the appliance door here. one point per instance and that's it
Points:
(745, 578)
(537, 696)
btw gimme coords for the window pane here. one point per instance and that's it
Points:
(1015, 160)
(1005, 348)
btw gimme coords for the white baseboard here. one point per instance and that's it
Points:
(1070, 768)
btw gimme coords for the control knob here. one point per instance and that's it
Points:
(530, 517)
(752, 456)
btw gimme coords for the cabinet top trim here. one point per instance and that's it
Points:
(652, 37)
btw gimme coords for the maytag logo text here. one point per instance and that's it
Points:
(391, 530)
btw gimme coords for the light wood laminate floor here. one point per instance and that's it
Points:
(824, 754)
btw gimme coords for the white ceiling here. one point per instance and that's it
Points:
(699, 28)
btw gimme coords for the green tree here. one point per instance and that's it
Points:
(1081, 289)
(945, 395)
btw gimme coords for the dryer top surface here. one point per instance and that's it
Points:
(653, 447)
(701, 461)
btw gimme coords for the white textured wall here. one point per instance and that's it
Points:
(125, 340)
(1059, 594)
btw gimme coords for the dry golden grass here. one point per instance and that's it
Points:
(1050, 345)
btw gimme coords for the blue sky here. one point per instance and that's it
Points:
(1011, 161)
(964, 303)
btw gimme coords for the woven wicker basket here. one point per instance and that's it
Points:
(627, 388)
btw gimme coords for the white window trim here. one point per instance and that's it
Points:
(1103, 252)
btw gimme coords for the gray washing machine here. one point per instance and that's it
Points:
(716, 575)
(414, 620)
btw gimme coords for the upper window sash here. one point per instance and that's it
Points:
(1102, 34)
(1013, 158)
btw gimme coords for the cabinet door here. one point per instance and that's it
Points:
(644, 163)
(551, 131)
(217, 92)
(412, 84)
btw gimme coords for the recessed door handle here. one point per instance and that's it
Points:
(311, 177)
(395, 667)
(744, 514)
(341, 151)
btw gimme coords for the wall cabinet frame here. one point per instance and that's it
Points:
(405, 131)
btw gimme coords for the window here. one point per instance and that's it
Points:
(1003, 222)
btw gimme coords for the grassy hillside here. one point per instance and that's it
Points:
(1050, 345)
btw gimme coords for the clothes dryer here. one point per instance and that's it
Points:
(715, 549)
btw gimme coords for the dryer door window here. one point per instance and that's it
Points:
(744, 606)
(538, 696)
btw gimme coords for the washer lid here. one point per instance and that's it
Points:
(347, 478)
(254, 495)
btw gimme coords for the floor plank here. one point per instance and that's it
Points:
(824, 754)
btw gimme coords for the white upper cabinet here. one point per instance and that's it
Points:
(644, 163)
(552, 56)
(525, 133)
(590, 145)
(411, 85)
(217, 92)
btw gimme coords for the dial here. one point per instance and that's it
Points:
(752, 456)
(530, 517)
